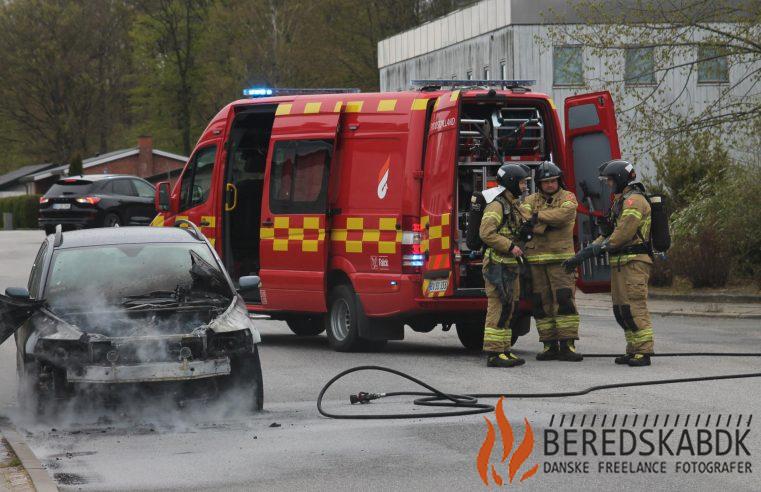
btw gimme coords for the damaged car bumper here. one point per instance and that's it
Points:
(204, 352)
(150, 372)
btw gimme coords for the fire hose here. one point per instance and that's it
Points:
(468, 403)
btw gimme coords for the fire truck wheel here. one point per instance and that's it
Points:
(471, 334)
(306, 326)
(343, 321)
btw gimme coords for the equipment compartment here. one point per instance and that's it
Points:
(517, 132)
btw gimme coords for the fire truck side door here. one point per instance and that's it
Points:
(437, 199)
(591, 139)
(198, 192)
(294, 228)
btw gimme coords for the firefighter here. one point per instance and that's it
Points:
(553, 212)
(628, 246)
(499, 225)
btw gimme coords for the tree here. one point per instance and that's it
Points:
(62, 83)
(75, 166)
(348, 44)
(666, 46)
(167, 35)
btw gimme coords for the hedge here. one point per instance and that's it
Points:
(24, 209)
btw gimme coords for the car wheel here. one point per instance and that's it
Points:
(345, 315)
(306, 326)
(471, 334)
(245, 382)
(111, 220)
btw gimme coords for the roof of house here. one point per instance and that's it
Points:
(104, 159)
(12, 177)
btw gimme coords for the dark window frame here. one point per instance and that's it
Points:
(134, 185)
(636, 80)
(189, 176)
(114, 182)
(715, 59)
(35, 276)
(556, 83)
(288, 206)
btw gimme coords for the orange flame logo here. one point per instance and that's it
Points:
(383, 179)
(486, 469)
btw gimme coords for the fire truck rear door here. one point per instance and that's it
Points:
(437, 199)
(293, 244)
(591, 139)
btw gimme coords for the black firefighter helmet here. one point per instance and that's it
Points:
(546, 171)
(509, 177)
(622, 173)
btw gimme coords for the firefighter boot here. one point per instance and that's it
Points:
(503, 360)
(550, 351)
(568, 352)
(639, 360)
(623, 359)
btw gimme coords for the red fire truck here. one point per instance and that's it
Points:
(351, 207)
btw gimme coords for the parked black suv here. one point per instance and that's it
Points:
(97, 200)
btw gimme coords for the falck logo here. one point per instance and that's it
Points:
(486, 469)
(383, 179)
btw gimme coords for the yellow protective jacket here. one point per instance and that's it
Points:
(498, 242)
(553, 234)
(631, 218)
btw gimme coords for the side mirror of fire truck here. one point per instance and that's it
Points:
(161, 199)
(249, 282)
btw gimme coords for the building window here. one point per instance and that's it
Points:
(639, 67)
(503, 70)
(299, 181)
(567, 66)
(486, 72)
(712, 66)
(469, 75)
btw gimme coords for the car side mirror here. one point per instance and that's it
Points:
(21, 292)
(249, 282)
(161, 198)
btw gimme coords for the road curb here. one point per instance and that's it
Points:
(718, 298)
(37, 473)
(686, 314)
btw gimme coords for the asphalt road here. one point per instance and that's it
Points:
(202, 447)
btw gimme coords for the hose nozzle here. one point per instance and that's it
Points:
(363, 397)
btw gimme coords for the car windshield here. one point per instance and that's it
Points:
(104, 277)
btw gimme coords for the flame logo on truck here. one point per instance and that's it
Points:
(518, 458)
(383, 179)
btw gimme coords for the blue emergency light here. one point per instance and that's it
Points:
(290, 91)
(257, 92)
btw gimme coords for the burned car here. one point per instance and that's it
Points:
(118, 307)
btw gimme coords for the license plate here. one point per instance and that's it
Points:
(61, 206)
(438, 285)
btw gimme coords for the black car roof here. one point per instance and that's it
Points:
(126, 235)
(97, 177)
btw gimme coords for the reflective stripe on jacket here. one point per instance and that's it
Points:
(553, 235)
(498, 242)
(631, 216)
